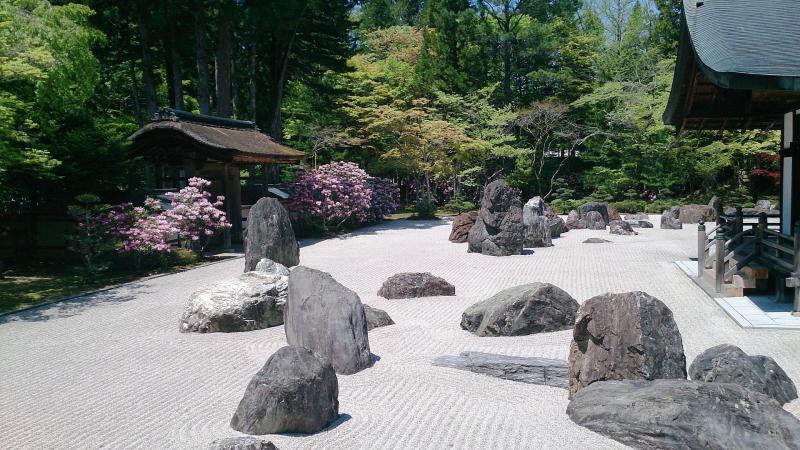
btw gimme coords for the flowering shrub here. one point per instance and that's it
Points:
(384, 198)
(341, 193)
(192, 218)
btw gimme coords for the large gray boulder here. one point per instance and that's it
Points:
(730, 364)
(637, 216)
(601, 208)
(670, 222)
(242, 443)
(693, 213)
(536, 224)
(621, 228)
(765, 205)
(295, 392)
(461, 226)
(498, 230)
(415, 284)
(681, 414)
(270, 235)
(593, 220)
(533, 370)
(628, 336)
(376, 318)
(521, 310)
(328, 319)
(252, 301)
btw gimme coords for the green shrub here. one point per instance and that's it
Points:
(561, 206)
(425, 208)
(661, 205)
(459, 204)
(630, 206)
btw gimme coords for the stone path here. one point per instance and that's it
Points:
(112, 371)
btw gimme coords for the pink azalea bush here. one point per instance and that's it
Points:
(342, 194)
(192, 219)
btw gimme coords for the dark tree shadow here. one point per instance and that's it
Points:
(76, 305)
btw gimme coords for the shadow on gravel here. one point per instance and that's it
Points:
(75, 306)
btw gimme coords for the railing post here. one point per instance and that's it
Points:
(796, 270)
(701, 247)
(762, 225)
(738, 225)
(719, 266)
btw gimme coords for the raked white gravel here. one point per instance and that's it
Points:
(112, 371)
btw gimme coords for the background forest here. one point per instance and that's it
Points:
(563, 98)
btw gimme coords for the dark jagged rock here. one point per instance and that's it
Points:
(628, 336)
(377, 318)
(557, 226)
(573, 221)
(498, 230)
(593, 221)
(613, 212)
(461, 226)
(729, 364)
(694, 213)
(601, 208)
(521, 310)
(328, 319)
(546, 371)
(295, 392)
(621, 227)
(415, 284)
(270, 235)
(682, 414)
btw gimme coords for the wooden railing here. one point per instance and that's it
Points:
(725, 247)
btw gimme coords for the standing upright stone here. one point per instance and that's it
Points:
(270, 235)
(613, 213)
(537, 226)
(461, 226)
(670, 222)
(573, 221)
(498, 230)
(328, 319)
(593, 220)
(629, 336)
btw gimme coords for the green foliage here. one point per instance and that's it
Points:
(91, 238)
(458, 204)
(425, 206)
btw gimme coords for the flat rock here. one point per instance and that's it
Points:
(377, 318)
(498, 231)
(682, 414)
(328, 319)
(270, 235)
(621, 227)
(628, 336)
(521, 310)
(461, 226)
(242, 443)
(546, 371)
(730, 364)
(252, 301)
(645, 224)
(415, 284)
(596, 241)
(295, 392)
(637, 216)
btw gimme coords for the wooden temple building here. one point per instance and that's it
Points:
(177, 145)
(738, 67)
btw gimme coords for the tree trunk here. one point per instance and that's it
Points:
(253, 57)
(507, 73)
(177, 75)
(203, 95)
(147, 65)
(223, 60)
